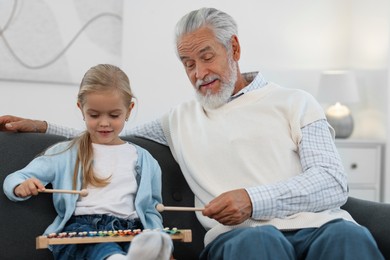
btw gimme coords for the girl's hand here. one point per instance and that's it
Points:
(28, 188)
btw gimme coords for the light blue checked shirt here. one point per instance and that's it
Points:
(322, 184)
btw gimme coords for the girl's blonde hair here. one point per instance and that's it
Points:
(100, 78)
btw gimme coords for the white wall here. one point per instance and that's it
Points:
(54, 103)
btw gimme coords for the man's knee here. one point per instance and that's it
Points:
(342, 239)
(343, 229)
(259, 242)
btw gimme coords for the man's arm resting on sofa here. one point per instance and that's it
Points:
(19, 124)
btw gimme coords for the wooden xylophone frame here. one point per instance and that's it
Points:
(42, 242)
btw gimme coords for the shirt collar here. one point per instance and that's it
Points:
(256, 81)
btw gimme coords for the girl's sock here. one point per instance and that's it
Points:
(150, 245)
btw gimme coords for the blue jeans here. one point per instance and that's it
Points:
(99, 250)
(338, 239)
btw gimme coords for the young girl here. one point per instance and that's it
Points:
(122, 179)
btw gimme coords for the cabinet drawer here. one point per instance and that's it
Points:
(361, 164)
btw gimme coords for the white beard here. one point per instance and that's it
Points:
(213, 101)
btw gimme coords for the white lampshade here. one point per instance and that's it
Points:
(338, 86)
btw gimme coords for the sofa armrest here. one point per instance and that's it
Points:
(375, 217)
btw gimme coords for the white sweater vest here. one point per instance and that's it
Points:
(250, 141)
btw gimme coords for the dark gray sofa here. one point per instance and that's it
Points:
(22, 222)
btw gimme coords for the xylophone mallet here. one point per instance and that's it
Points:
(161, 208)
(82, 192)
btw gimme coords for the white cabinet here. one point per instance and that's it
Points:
(363, 162)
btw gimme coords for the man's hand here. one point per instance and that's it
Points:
(28, 188)
(18, 124)
(230, 208)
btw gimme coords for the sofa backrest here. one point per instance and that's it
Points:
(22, 222)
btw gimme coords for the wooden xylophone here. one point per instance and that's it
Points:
(182, 235)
